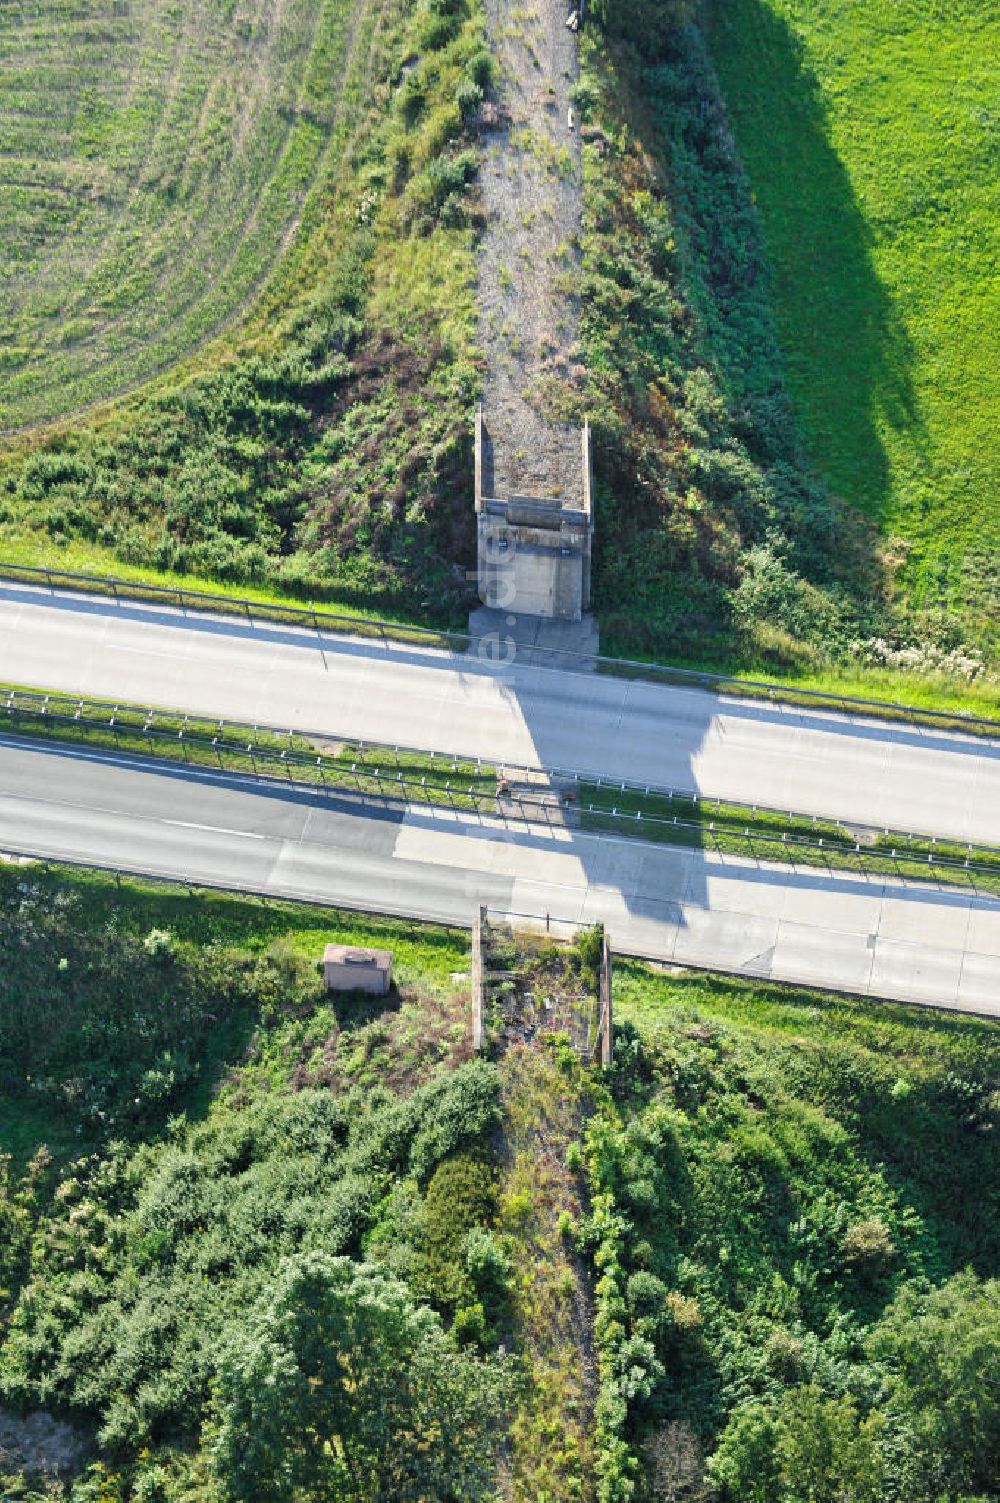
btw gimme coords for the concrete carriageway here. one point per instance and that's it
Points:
(869, 936)
(821, 763)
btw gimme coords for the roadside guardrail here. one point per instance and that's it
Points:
(551, 923)
(391, 633)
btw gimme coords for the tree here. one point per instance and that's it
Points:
(940, 1354)
(804, 1449)
(826, 1453)
(340, 1388)
(676, 1470)
(744, 1467)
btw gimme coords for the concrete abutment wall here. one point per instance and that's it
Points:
(534, 553)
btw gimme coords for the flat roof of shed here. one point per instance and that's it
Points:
(357, 955)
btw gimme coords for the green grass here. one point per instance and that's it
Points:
(155, 161)
(422, 952)
(230, 746)
(32, 549)
(318, 444)
(865, 127)
(766, 835)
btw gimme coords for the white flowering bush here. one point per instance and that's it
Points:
(926, 657)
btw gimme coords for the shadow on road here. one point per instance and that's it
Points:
(574, 722)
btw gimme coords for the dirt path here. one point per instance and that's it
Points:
(529, 259)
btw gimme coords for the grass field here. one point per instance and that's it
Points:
(868, 131)
(298, 418)
(154, 161)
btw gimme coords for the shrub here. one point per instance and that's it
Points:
(646, 1297)
(584, 97)
(480, 69)
(488, 1266)
(159, 945)
(461, 1110)
(468, 97)
(868, 1247)
(461, 1198)
(589, 947)
(683, 1311)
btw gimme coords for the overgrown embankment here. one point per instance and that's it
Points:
(324, 446)
(755, 1258)
(227, 1184)
(790, 1211)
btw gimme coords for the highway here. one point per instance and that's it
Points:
(810, 762)
(868, 935)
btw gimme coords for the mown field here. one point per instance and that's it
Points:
(319, 443)
(154, 162)
(868, 130)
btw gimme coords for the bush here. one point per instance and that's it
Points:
(461, 1198)
(646, 1296)
(490, 1270)
(480, 69)
(468, 97)
(159, 945)
(868, 1248)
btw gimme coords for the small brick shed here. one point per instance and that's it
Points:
(351, 968)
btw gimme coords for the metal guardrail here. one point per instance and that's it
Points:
(231, 747)
(221, 739)
(552, 922)
(287, 768)
(393, 632)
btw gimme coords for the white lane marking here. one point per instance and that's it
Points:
(182, 824)
(153, 819)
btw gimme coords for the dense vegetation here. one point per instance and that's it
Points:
(231, 1206)
(794, 1200)
(244, 1190)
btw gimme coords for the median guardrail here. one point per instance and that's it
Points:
(490, 650)
(398, 776)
